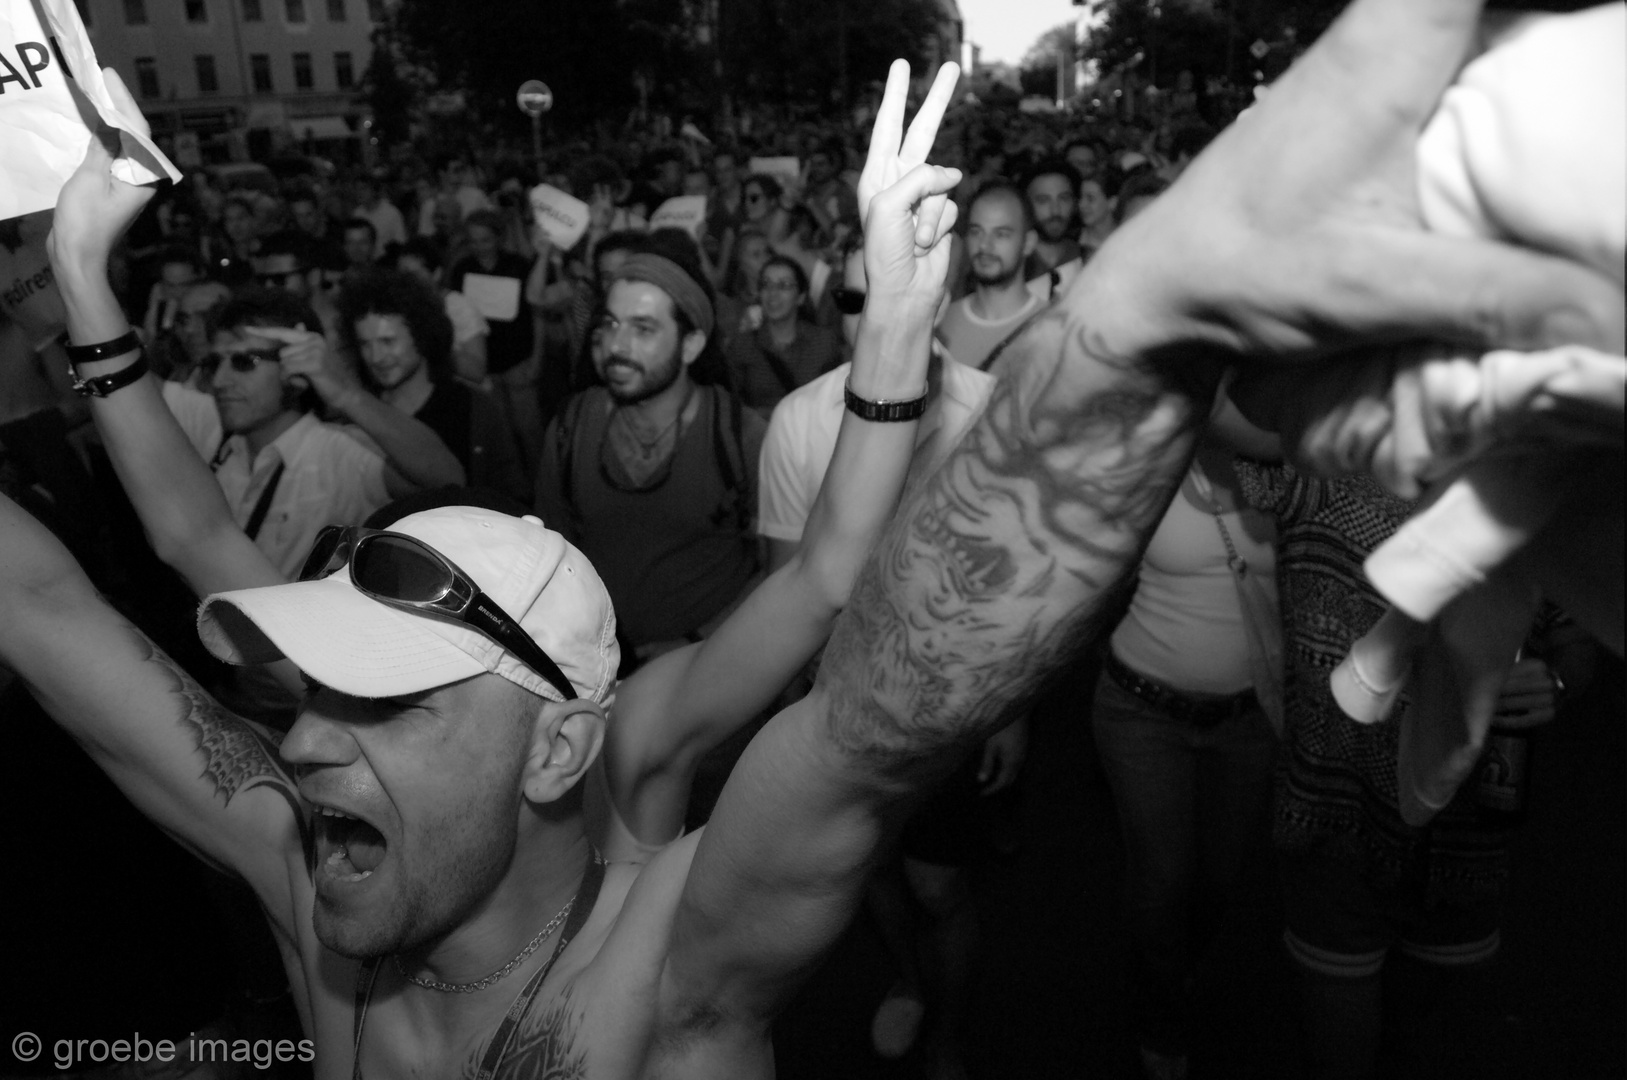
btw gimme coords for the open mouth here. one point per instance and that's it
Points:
(348, 849)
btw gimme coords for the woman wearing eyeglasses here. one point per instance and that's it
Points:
(788, 350)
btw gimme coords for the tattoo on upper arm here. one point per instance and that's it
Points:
(543, 1046)
(237, 756)
(1009, 558)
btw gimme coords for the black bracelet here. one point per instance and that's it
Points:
(107, 350)
(103, 385)
(883, 411)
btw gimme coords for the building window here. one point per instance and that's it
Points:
(336, 10)
(196, 11)
(302, 71)
(205, 65)
(375, 10)
(146, 76)
(344, 75)
(135, 12)
(260, 72)
(296, 10)
(252, 12)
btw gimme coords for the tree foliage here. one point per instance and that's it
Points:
(1205, 37)
(1038, 70)
(686, 55)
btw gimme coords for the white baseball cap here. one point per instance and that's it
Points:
(344, 639)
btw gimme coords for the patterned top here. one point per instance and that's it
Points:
(1337, 782)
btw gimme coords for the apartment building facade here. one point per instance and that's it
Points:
(277, 71)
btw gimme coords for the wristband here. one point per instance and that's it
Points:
(107, 350)
(883, 411)
(103, 385)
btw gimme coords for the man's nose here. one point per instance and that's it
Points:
(318, 739)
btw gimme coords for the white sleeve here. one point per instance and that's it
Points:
(784, 497)
(195, 411)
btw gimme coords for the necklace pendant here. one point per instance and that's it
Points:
(1238, 564)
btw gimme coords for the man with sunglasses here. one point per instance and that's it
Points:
(284, 471)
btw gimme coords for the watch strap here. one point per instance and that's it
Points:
(883, 411)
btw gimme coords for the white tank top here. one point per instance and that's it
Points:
(1185, 624)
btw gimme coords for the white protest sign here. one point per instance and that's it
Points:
(495, 297)
(51, 95)
(787, 170)
(686, 212)
(562, 218)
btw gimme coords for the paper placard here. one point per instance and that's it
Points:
(787, 170)
(562, 218)
(51, 94)
(686, 212)
(497, 298)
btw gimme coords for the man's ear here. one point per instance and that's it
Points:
(694, 342)
(1030, 242)
(567, 737)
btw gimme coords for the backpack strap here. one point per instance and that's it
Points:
(565, 448)
(730, 451)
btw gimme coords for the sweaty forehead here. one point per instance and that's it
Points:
(631, 299)
(1051, 185)
(242, 337)
(996, 209)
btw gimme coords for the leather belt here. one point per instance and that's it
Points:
(1199, 710)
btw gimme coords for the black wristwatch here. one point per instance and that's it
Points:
(883, 411)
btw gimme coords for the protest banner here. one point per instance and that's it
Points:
(786, 170)
(686, 212)
(52, 95)
(562, 218)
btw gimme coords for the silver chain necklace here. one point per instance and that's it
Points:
(495, 977)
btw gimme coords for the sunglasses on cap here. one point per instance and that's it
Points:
(404, 572)
(240, 362)
(848, 301)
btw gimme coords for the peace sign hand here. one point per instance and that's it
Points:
(904, 203)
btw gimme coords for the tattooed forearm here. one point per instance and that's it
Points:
(544, 1046)
(236, 755)
(1004, 562)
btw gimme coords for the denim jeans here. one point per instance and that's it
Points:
(1191, 803)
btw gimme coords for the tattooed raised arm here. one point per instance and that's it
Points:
(1000, 564)
(205, 776)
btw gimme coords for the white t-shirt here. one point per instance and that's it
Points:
(802, 437)
(971, 338)
(1049, 285)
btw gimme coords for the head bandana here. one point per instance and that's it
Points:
(687, 294)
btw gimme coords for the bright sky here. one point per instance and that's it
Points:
(1006, 28)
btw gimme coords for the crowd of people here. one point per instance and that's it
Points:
(706, 433)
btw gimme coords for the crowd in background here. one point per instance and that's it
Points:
(425, 282)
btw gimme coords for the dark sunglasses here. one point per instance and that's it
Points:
(403, 572)
(847, 301)
(240, 362)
